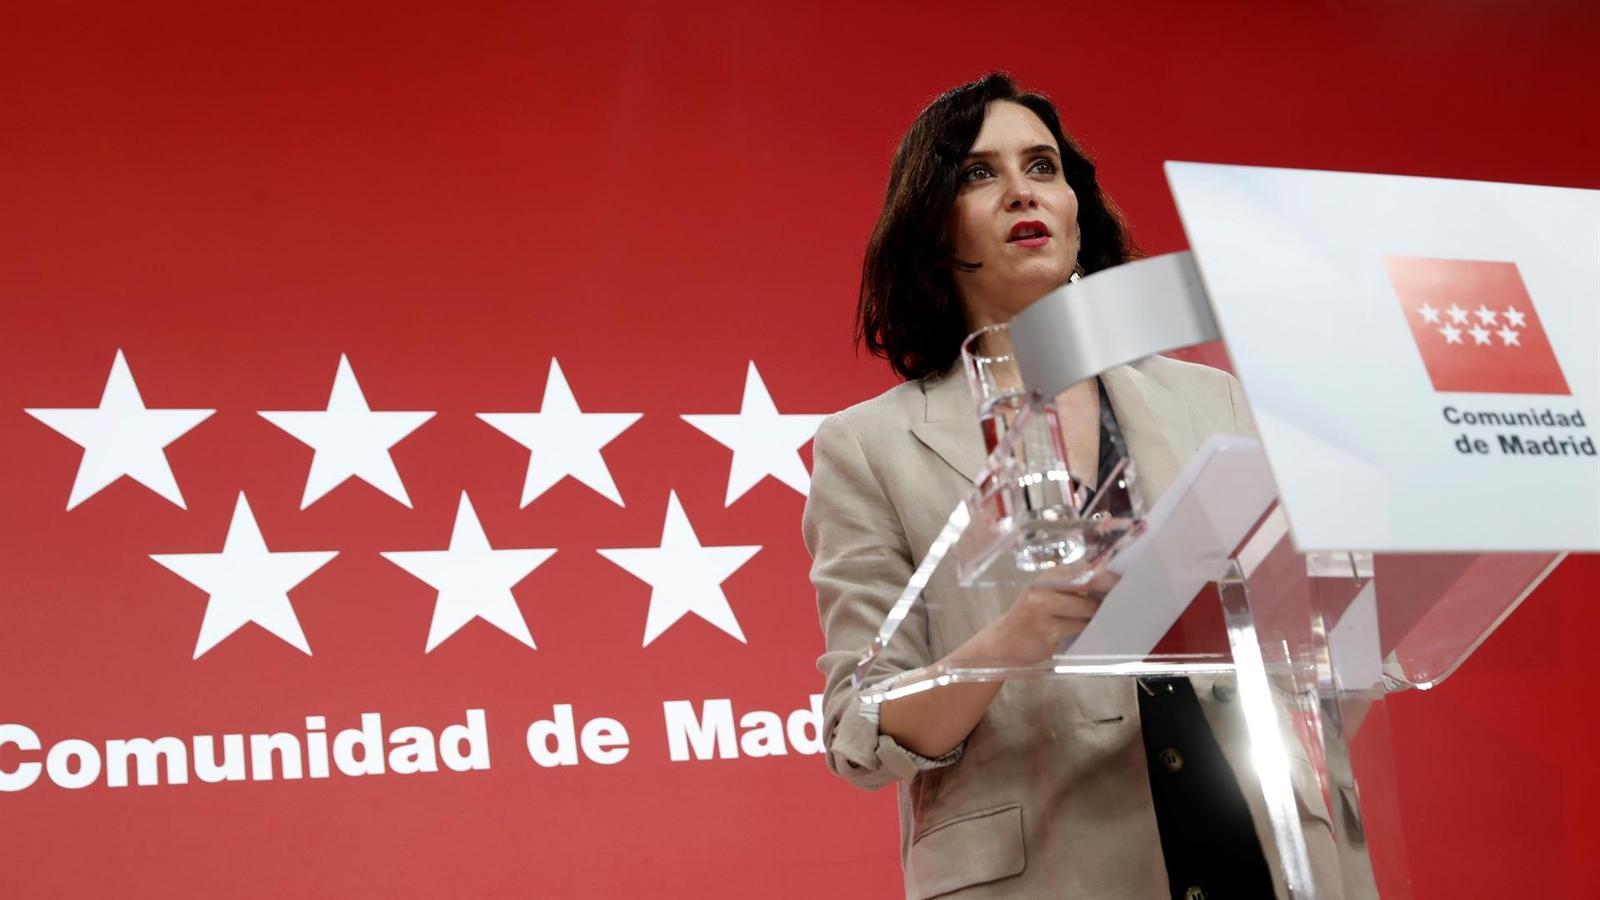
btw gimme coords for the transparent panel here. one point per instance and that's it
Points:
(1067, 575)
(1435, 609)
(1065, 517)
(1358, 629)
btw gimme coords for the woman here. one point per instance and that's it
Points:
(1027, 788)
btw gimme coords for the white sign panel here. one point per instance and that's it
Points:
(1422, 355)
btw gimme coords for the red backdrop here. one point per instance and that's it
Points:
(237, 194)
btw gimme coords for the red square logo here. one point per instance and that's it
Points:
(1475, 326)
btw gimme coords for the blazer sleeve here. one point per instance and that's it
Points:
(861, 561)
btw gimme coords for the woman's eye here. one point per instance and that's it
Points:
(977, 172)
(1042, 167)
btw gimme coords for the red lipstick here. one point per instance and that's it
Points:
(1029, 234)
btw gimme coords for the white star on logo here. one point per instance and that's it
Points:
(1479, 335)
(1515, 317)
(764, 442)
(122, 437)
(563, 440)
(1508, 337)
(1429, 314)
(1486, 316)
(1457, 314)
(1452, 334)
(349, 439)
(247, 582)
(473, 579)
(684, 577)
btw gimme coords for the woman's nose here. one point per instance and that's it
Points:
(1019, 195)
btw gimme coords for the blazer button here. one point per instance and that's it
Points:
(1225, 689)
(1195, 892)
(1172, 759)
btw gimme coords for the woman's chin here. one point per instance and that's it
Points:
(1030, 286)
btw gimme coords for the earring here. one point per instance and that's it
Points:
(1077, 273)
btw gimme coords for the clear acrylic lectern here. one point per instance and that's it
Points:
(1200, 578)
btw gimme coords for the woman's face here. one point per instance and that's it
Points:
(1015, 214)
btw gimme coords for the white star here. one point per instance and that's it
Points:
(122, 437)
(1508, 338)
(349, 439)
(1486, 316)
(684, 577)
(1452, 334)
(1457, 314)
(1479, 335)
(474, 580)
(247, 582)
(764, 442)
(563, 440)
(1515, 317)
(1429, 314)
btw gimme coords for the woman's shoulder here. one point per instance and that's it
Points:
(1213, 396)
(854, 452)
(1180, 375)
(876, 433)
(1168, 370)
(895, 408)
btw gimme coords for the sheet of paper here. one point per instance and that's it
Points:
(1211, 506)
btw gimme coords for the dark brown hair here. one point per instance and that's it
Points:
(908, 311)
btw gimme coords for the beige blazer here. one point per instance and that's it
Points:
(1050, 796)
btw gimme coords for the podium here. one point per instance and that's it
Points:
(1204, 578)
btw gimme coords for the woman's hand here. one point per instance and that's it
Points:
(932, 723)
(1044, 615)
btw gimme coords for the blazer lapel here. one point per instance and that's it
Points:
(950, 424)
(1156, 424)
